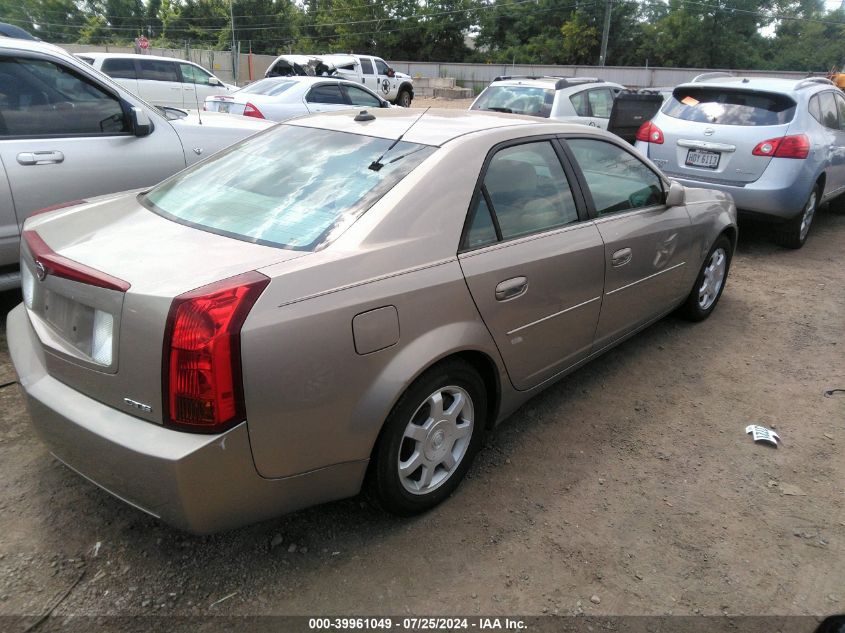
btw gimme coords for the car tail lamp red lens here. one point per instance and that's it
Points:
(650, 133)
(794, 146)
(49, 262)
(251, 110)
(202, 380)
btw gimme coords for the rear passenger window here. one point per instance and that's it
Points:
(157, 70)
(40, 98)
(481, 231)
(366, 66)
(579, 102)
(829, 112)
(601, 101)
(617, 180)
(120, 68)
(327, 93)
(840, 105)
(528, 190)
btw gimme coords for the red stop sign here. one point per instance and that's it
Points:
(143, 42)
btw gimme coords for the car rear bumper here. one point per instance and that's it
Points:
(199, 483)
(776, 202)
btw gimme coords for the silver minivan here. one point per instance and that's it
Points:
(162, 81)
(776, 145)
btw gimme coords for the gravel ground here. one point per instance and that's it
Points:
(628, 488)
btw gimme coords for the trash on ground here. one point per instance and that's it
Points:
(832, 392)
(792, 490)
(762, 434)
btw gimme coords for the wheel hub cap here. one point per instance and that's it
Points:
(714, 277)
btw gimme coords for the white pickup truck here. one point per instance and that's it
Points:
(373, 72)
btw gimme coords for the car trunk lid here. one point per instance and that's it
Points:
(99, 280)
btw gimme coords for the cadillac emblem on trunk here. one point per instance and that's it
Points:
(40, 271)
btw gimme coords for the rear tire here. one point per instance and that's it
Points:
(710, 282)
(429, 439)
(793, 234)
(404, 98)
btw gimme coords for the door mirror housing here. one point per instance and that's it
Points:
(676, 195)
(214, 81)
(141, 123)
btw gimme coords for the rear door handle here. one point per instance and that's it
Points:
(40, 158)
(621, 257)
(511, 288)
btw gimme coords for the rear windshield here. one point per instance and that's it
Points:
(271, 87)
(517, 100)
(729, 107)
(292, 187)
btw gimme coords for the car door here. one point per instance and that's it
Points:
(387, 86)
(159, 83)
(647, 245)
(64, 136)
(836, 136)
(533, 261)
(601, 104)
(326, 97)
(368, 73)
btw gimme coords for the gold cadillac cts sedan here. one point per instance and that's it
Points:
(345, 299)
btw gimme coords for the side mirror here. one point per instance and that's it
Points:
(141, 123)
(214, 81)
(391, 72)
(676, 195)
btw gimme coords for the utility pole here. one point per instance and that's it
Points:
(605, 34)
(235, 59)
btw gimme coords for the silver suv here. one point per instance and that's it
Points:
(585, 100)
(776, 145)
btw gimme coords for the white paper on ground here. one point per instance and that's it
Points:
(762, 434)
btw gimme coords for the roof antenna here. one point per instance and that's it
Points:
(196, 96)
(377, 164)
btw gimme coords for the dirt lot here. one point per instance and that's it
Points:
(631, 483)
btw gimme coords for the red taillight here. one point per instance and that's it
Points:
(650, 133)
(202, 383)
(251, 110)
(61, 266)
(795, 146)
(56, 207)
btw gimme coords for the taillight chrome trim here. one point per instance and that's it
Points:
(66, 268)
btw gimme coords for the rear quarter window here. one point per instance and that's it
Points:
(728, 106)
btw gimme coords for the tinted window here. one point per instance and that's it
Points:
(360, 97)
(327, 93)
(729, 107)
(580, 103)
(191, 74)
(42, 98)
(367, 66)
(618, 181)
(516, 99)
(120, 68)
(481, 231)
(528, 190)
(156, 70)
(294, 187)
(829, 110)
(840, 105)
(601, 102)
(815, 109)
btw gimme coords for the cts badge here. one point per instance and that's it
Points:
(138, 405)
(40, 271)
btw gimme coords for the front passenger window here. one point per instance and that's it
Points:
(41, 98)
(617, 180)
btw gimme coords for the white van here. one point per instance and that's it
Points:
(163, 81)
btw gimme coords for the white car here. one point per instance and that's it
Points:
(585, 100)
(371, 72)
(162, 81)
(281, 98)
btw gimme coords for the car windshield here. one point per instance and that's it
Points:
(729, 107)
(270, 87)
(292, 187)
(517, 100)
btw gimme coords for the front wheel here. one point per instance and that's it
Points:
(429, 439)
(404, 99)
(793, 234)
(710, 282)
